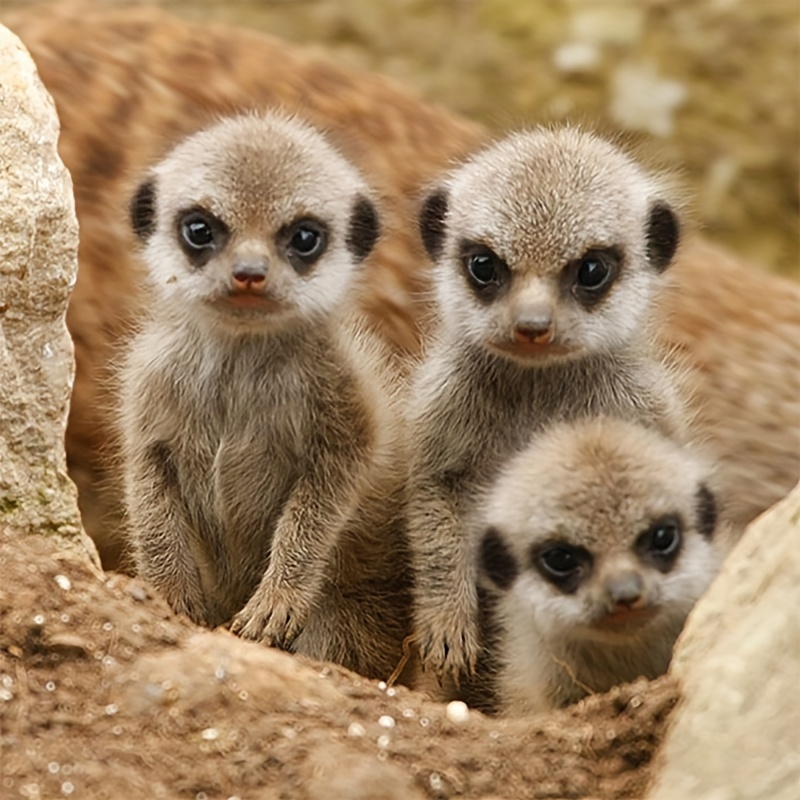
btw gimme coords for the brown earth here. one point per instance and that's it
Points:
(104, 693)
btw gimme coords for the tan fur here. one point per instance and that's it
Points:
(260, 451)
(601, 486)
(129, 83)
(538, 202)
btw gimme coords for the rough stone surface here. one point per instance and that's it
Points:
(736, 733)
(38, 263)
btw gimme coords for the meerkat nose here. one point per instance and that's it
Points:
(625, 590)
(534, 326)
(249, 276)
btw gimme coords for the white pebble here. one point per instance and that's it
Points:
(64, 582)
(355, 729)
(386, 721)
(38, 619)
(382, 685)
(210, 734)
(457, 712)
(112, 709)
(67, 787)
(383, 741)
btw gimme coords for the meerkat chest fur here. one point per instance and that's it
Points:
(236, 414)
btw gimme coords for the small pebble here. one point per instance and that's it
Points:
(457, 712)
(210, 734)
(383, 742)
(64, 582)
(355, 729)
(386, 721)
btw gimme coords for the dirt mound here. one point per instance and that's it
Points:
(106, 694)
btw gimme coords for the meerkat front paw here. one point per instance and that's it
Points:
(274, 616)
(449, 642)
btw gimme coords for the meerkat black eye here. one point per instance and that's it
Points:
(562, 564)
(306, 241)
(201, 235)
(198, 233)
(594, 274)
(486, 271)
(661, 542)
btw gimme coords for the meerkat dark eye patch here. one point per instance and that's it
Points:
(564, 565)
(660, 544)
(706, 511)
(497, 561)
(486, 272)
(593, 274)
(304, 242)
(200, 234)
(663, 235)
(431, 223)
(364, 229)
(143, 210)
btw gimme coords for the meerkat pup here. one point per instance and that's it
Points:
(259, 442)
(593, 545)
(550, 247)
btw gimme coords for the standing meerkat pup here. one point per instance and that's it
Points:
(550, 248)
(593, 545)
(259, 443)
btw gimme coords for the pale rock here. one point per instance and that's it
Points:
(736, 733)
(38, 264)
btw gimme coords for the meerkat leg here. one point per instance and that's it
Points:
(163, 539)
(302, 547)
(446, 614)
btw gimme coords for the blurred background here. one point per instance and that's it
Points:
(709, 86)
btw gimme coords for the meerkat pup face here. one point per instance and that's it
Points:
(254, 221)
(548, 245)
(601, 531)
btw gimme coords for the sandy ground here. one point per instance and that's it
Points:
(106, 694)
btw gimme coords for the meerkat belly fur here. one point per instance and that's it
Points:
(593, 545)
(550, 247)
(259, 440)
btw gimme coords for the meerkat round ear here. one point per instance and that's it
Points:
(364, 228)
(143, 209)
(663, 234)
(706, 511)
(431, 222)
(497, 561)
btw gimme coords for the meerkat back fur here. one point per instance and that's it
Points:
(259, 437)
(550, 248)
(593, 545)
